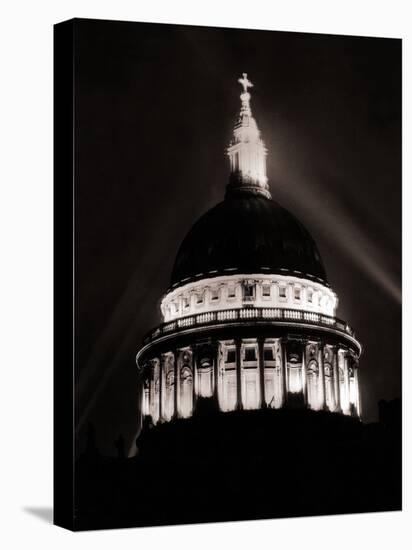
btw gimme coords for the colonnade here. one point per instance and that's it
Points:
(251, 374)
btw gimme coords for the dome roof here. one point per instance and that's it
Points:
(247, 233)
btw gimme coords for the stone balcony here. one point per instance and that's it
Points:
(250, 314)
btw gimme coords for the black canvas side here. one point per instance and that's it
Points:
(64, 513)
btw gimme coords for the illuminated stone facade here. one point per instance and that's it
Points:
(254, 328)
(257, 290)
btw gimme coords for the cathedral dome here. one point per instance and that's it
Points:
(247, 233)
(249, 320)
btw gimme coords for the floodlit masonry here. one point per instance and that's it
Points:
(249, 318)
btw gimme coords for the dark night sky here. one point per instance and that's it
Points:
(156, 106)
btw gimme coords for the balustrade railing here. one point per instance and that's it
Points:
(249, 314)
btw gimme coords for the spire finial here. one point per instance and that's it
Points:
(246, 151)
(245, 82)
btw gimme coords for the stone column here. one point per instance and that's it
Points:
(143, 402)
(220, 375)
(176, 386)
(161, 389)
(356, 382)
(341, 367)
(151, 386)
(322, 399)
(347, 381)
(261, 363)
(239, 404)
(146, 392)
(194, 378)
(336, 380)
(148, 380)
(216, 350)
(284, 375)
(304, 378)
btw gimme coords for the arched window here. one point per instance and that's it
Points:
(169, 395)
(329, 387)
(250, 377)
(294, 373)
(205, 377)
(313, 385)
(228, 391)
